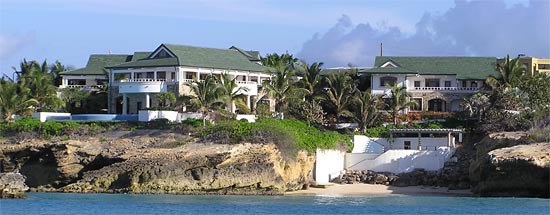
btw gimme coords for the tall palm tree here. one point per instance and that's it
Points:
(275, 60)
(282, 87)
(207, 95)
(311, 80)
(338, 94)
(233, 93)
(511, 73)
(39, 80)
(398, 101)
(14, 101)
(366, 109)
(166, 99)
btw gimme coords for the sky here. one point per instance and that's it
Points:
(338, 33)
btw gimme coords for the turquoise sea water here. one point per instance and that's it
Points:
(64, 203)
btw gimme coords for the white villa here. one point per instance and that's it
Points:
(435, 83)
(94, 75)
(133, 85)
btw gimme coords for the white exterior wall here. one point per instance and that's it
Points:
(399, 161)
(364, 144)
(43, 116)
(91, 80)
(249, 118)
(329, 164)
(377, 89)
(150, 115)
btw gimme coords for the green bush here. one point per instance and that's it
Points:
(378, 131)
(291, 135)
(195, 122)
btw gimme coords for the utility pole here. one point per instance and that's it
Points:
(381, 50)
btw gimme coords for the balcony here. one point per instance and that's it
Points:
(82, 86)
(446, 89)
(142, 86)
(251, 85)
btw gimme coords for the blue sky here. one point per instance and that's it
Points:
(334, 32)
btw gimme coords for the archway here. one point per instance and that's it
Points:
(437, 105)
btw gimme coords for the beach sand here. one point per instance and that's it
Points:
(376, 189)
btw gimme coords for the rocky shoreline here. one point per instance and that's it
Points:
(12, 186)
(154, 161)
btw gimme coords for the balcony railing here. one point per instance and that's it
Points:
(146, 80)
(81, 86)
(468, 89)
(246, 82)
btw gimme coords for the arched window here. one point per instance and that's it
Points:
(388, 80)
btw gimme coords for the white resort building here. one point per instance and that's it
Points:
(436, 83)
(133, 85)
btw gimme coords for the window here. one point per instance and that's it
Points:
(77, 81)
(473, 84)
(447, 83)
(388, 81)
(102, 81)
(432, 82)
(463, 83)
(407, 145)
(416, 83)
(544, 66)
(161, 76)
(173, 76)
(150, 75)
(418, 107)
(162, 54)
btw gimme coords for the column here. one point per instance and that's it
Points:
(419, 141)
(248, 102)
(155, 76)
(449, 139)
(147, 103)
(391, 140)
(124, 104)
(132, 76)
(199, 75)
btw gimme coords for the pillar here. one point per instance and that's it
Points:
(248, 102)
(124, 104)
(147, 102)
(449, 139)
(391, 140)
(132, 76)
(155, 76)
(198, 75)
(419, 141)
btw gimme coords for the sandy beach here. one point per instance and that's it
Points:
(376, 189)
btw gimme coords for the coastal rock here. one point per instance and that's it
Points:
(201, 169)
(518, 170)
(12, 186)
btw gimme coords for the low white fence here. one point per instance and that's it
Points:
(43, 116)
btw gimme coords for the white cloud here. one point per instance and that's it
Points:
(470, 28)
(11, 44)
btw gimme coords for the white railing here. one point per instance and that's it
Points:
(81, 86)
(246, 82)
(187, 80)
(146, 80)
(446, 88)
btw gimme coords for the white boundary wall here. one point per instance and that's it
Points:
(43, 116)
(149, 115)
(329, 164)
(249, 118)
(399, 161)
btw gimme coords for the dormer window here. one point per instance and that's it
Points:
(389, 64)
(162, 54)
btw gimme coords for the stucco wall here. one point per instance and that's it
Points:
(399, 161)
(329, 164)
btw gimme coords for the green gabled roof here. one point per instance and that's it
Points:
(199, 57)
(97, 63)
(463, 67)
(140, 55)
(251, 55)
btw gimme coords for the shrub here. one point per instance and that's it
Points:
(378, 131)
(288, 135)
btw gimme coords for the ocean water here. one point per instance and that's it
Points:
(64, 203)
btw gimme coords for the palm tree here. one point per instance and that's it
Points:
(207, 95)
(311, 80)
(275, 60)
(281, 87)
(367, 106)
(165, 99)
(511, 73)
(14, 101)
(39, 80)
(338, 95)
(477, 105)
(233, 93)
(398, 101)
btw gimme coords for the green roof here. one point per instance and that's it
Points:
(140, 55)
(463, 67)
(97, 63)
(198, 57)
(251, 55)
